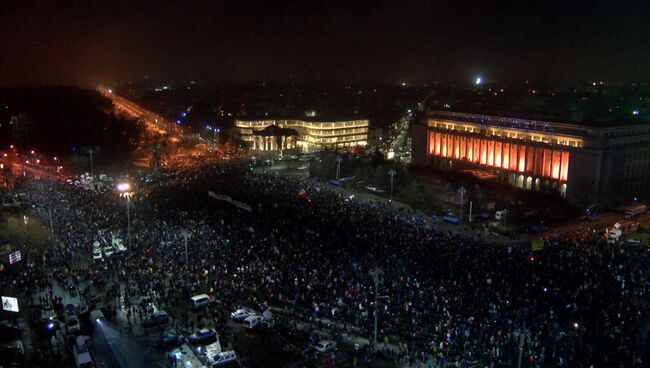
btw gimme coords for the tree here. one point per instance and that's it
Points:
(377, 158)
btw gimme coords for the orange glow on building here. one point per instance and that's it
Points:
(521, 158)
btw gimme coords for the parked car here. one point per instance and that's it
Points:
(538, 229)
(201, 300)
(72, 325)
(325, 346)
(94, 301)
(203, 336)
(251, 322)
(118, 244)
(500, 215)
(241, 314)
(12, 353)
(481, 217)
(270, 323)
(10, 330)
(223, 358)
(170, 340)
(156, 319)
(49, 323)
(84, 310)
(97, 316)
(108, 251)
(97, 254)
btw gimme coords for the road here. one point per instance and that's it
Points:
(154, 122)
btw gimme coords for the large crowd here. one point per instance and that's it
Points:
(312, 252)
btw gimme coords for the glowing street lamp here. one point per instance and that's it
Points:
(123, 187)
(478, 81)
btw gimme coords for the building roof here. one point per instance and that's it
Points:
(598, 107)
(275, 131)
(547, 126)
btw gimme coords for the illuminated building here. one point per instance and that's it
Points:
(311, 135)
(584, 163)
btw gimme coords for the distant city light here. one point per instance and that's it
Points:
(635, 112)
(478, 81)
(110, 91)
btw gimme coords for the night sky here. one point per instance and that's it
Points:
(88, 42)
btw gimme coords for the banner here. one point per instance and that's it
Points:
(537, 245)
(242, 205)
(220, 197)
(225, 198)
(9, 304)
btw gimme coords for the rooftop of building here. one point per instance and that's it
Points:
(315, 118)
(591, 107)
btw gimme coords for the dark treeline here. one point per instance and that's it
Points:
(64, 121)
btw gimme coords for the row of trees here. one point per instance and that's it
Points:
(373, 170)
(408, 187)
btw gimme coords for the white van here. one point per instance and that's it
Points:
(97, 315)
(82, 356)
(199, 301)
(224, 358)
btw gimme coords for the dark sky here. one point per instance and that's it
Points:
(88, 42)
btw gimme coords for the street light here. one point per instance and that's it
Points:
(462, 192)
(392, 174)
(338, 167)
(376, 273)
(214, 130)
(186, 234)
(124, 189)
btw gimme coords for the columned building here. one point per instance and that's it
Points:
(584, 163)
(307, 136)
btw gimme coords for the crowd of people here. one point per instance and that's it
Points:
(315, 253)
